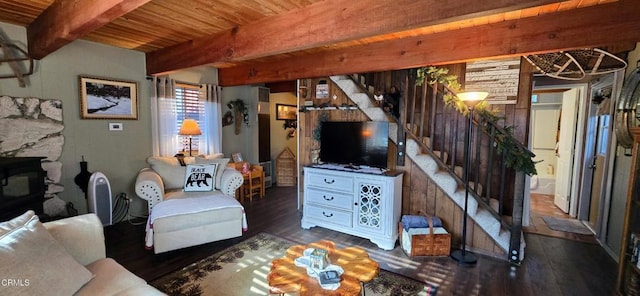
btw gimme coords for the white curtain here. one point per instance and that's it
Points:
(164, 119)
(211, 138)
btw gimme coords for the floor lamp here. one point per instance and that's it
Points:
(462, 256)
(189, 128)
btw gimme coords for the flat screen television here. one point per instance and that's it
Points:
(355, 143)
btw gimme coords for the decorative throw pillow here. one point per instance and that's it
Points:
(222, 164)
(31, 260)
(200, 177)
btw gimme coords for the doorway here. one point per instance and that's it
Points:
(597, 157)
(557, 132)
(576, 177)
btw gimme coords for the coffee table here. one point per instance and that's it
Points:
(286, 277)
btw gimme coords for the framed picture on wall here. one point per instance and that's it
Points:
(103, 98)
(237, 157)
(286, 112)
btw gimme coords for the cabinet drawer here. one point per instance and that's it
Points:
(330, 199)
(337, 183)
(327, 215)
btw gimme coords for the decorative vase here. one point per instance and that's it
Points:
(82, 179)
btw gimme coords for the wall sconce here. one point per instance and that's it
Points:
(189, 128)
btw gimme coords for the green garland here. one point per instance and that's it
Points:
(517, 158)
(315, 134)
(238, 105)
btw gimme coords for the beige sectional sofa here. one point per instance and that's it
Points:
(63, 257)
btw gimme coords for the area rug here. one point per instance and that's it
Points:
(566, 225)
(242, 270)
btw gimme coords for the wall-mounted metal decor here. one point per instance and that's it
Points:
(627, 115)
(19, 61)
(576, 64)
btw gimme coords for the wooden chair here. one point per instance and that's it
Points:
(261, 180)
(254, 183)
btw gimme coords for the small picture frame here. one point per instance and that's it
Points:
(286, 112)
(104, 98)
(237, 157)
(322, 90)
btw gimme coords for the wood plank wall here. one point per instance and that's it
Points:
(516, 115)
(419, 192)
(309, 120)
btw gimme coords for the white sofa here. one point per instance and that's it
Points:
(63, 257)
(180, 219)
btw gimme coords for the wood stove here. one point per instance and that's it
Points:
(22, 186)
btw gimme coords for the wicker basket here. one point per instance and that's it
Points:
(432, 244)
(286, 168)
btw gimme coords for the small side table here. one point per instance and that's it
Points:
(286, 277)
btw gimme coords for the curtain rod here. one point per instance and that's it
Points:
(179, 82)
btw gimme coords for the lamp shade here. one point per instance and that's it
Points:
(472, 96)
(189, 128)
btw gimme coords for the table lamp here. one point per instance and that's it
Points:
(189, 128)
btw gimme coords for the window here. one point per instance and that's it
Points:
(188, 105)
(603, 134)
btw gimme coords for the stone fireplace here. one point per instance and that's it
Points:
(32, 127)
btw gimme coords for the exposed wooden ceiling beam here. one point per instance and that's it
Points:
(584, 27)
(65, 21)
(322, 23)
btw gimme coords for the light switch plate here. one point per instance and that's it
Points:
(115, 126)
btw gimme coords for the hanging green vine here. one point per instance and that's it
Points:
(517, 157)
(318, 130)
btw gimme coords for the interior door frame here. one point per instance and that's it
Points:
(605, 200)
(580, 130)
(590, 151)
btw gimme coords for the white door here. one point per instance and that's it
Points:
(565, 150)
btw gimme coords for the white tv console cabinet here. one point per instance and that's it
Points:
(361, 204)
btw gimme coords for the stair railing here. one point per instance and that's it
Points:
(439, 131)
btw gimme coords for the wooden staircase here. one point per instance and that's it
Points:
(431, 162)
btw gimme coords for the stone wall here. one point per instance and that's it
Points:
(33, 127)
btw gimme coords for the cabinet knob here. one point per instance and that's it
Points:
(327, 199)
(329, 182)
(328, 216)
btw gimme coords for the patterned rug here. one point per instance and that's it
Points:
(242, 270)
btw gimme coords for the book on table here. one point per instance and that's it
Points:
(329, 277)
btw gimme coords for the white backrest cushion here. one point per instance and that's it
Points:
(222, 164)
(170, 170)
(36, 263)
(212, 156)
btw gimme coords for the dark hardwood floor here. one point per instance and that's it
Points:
(553, 266)
(542, 205)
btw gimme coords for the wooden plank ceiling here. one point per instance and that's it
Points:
(253, 41)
